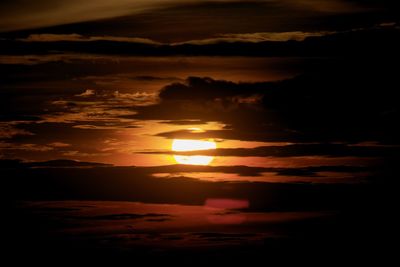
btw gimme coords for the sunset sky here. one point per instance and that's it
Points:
(244, 119)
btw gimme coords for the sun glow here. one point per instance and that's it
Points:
(192, 145)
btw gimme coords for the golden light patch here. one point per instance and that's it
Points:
(192, 145)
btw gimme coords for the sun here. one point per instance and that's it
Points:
(192, 145)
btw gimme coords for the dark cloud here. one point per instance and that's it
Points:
(126, 216)
(298, 150)
(356, 41)
(184, 122)
(60, 75)
(223, 237)
(80, 38)
(54, 183)
(267, 233)
(24, 105)
(43, 142)
(153, 78)
(176, 169)
(349, 100)
(204, 99)
(60, 163)
(64, 163)
(204, 89)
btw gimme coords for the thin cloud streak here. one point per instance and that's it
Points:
(258, 37)
(74, 37)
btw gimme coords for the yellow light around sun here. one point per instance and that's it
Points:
(192, 145)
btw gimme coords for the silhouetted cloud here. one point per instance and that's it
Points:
(384, 40)
(257, 37)
(81, 38)
(125, 216)
(194, 227)
(296, 150)
(353, 96)
(184, 122)
(222, 237)
(60, 163)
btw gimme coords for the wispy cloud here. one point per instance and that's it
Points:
(98, 109)
(258, 37)
(59, 144)
(25, 147)
(9, 130)
(86, 93)
(80, 38)
(225, 37)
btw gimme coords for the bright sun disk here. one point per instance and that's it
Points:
(192, 145)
